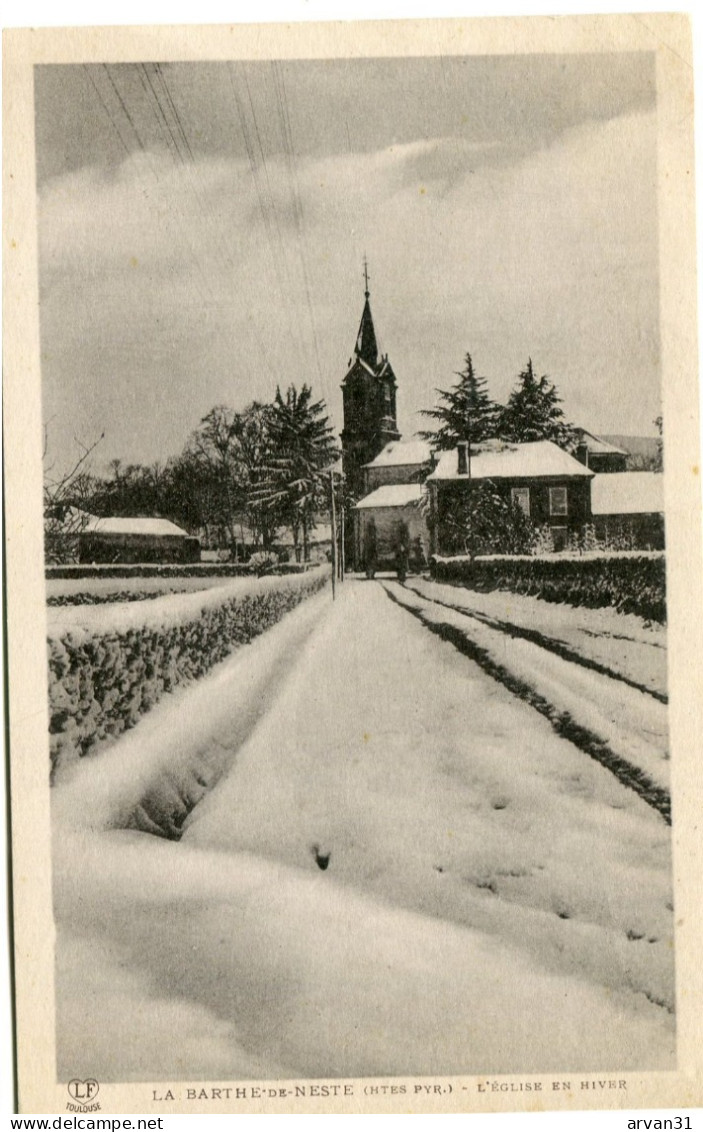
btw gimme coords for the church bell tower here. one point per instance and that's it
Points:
(369, 397)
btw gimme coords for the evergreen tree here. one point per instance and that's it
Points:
(533, 413)
(483, 520)
(464, 412)
(302, 448)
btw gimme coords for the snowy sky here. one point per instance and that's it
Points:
(203, 225)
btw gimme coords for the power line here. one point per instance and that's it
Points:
(267, 207)
(127, 114)
(169, 136)
(223, 245)
(106, 108)
(289, 150)
(152, 166)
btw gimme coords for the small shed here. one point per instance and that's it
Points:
(125, 540)
(599, 454)
(390, 511)
(628, 509)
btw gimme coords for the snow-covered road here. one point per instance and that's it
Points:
(624, 726)
(620, 644)
(493, 899)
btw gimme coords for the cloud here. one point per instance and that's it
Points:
(167, 288)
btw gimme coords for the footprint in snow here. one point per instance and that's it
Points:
(322, 859)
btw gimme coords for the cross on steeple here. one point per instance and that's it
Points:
(366, 277)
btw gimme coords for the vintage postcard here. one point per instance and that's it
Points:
(353, 553)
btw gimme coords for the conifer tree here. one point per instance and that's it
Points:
(302, 448)
(484, 521)
(464, 412)
(533, 413)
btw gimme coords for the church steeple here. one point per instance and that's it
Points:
(366, 346)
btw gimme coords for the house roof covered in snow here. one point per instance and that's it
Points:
(627, 493)
(645, 447)
(128, 526)
(401, 453)
(498, 459)
(393, 495)
(597, 444)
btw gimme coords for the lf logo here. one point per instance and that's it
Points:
(83, 1092)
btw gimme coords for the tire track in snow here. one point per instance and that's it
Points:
(552, 644)
(564, 722)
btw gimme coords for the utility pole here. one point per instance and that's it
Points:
(341, 535)
(333, 532)
(468, 468)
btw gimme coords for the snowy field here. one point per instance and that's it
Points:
(493, 899)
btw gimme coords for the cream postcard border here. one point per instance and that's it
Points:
(668, 36)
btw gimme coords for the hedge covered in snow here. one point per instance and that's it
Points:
(168, 570)
(630, 582)
(109, 664)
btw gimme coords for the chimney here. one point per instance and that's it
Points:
(463, 455)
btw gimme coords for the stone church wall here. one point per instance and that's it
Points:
(400, 473)
(388, 520)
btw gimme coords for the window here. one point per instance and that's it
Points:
(521, 496)
(557, 501)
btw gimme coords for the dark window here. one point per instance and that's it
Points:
(521, 496)
(558, 503)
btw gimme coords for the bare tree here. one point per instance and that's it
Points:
(66, 498)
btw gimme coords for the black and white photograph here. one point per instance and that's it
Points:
(359, 439)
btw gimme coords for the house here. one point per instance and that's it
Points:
(628, 509)
(551, 487)
(599, 454)
(127, 540)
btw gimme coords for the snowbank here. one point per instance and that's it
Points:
(133, 587)
(151, 777)
(299, 971)
(108, 664)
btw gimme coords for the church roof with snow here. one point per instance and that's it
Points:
(401, 453)
(393, 495)
(499, 459)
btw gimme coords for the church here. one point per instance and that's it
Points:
(397, 489)
(383, 474)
